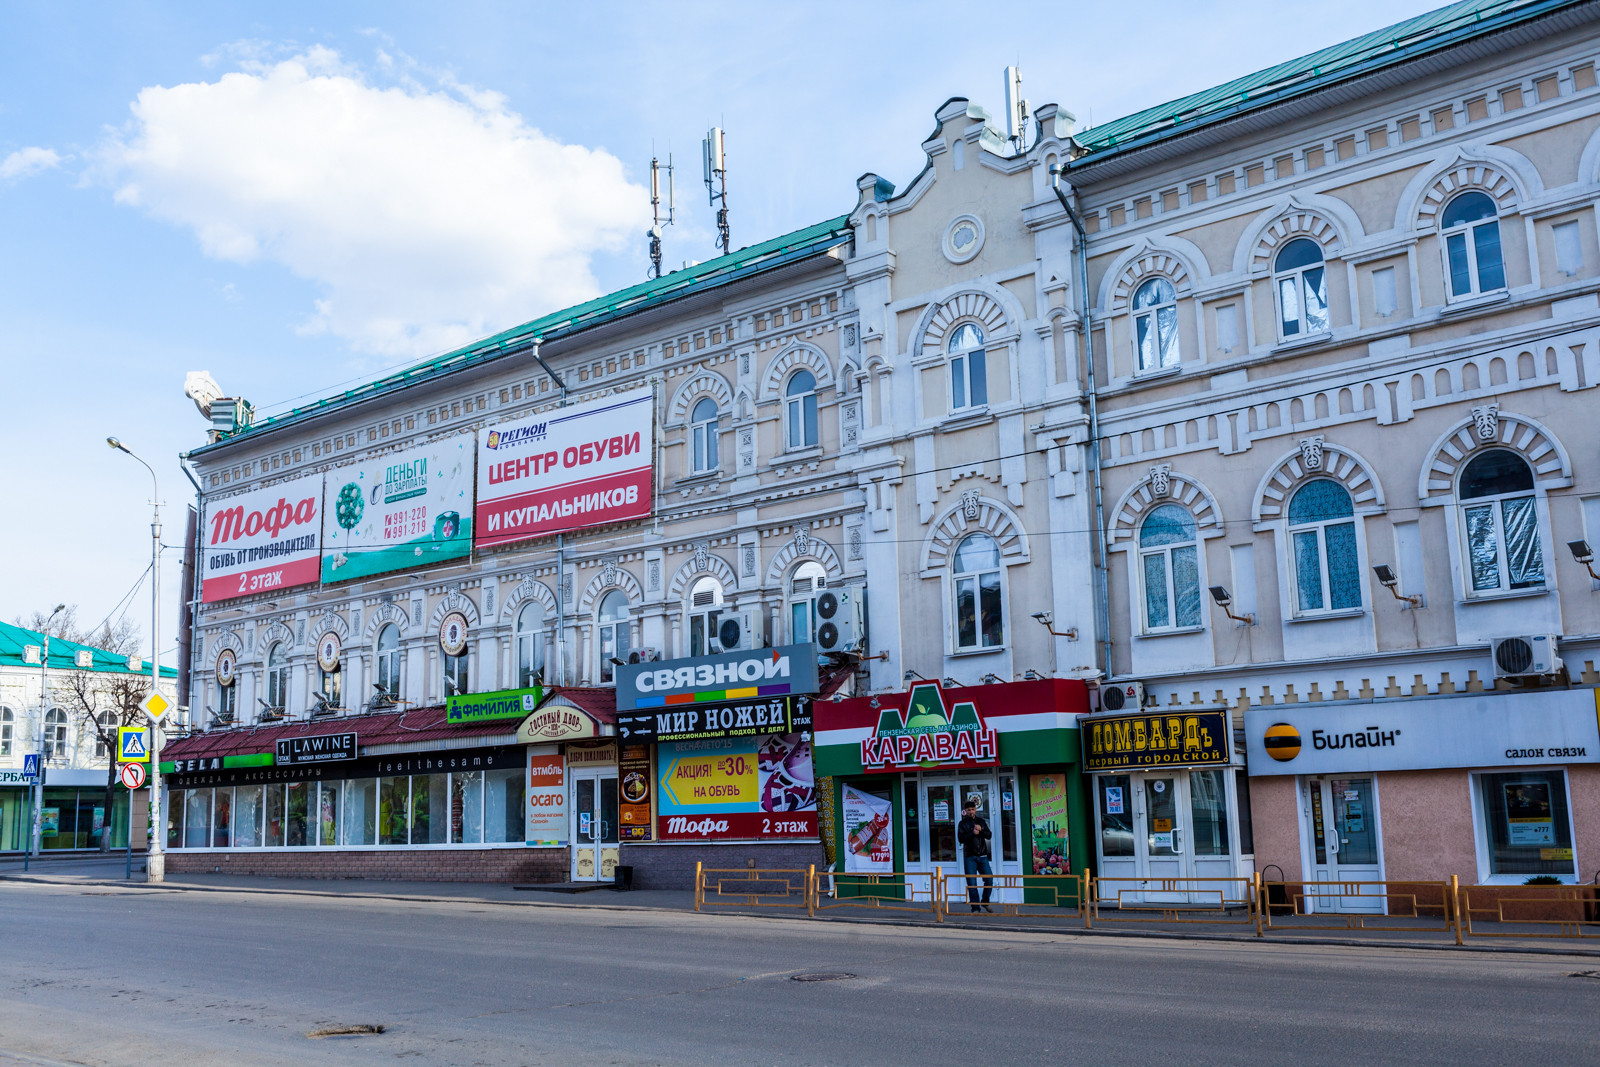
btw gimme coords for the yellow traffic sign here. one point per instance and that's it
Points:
(133, 744)
(155, 705)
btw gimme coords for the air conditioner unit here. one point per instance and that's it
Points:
(643, 655)
(741, 629)
(841, 619)
(1525, 657)
(1127, 696)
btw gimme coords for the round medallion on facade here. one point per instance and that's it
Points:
(328, 650)
(1281, 741)
(453, 634)
(963, 238)
(227, 666)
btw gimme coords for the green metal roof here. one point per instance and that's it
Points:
(756, 259)
(63, 654)
(1360, 55)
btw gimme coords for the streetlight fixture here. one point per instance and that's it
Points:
(1223, 598)
(155, 860)
(37, 838)
(1585, 555)
(1390, 581)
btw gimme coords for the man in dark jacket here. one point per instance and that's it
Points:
(974, 835)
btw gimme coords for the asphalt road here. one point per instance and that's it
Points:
(104, 975)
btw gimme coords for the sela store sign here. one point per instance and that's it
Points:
(325, 748)
(694, 722)
(407, 509)
(724, 678)
(736, 788)
(1155, 739)
(935, 730)
(264, 540)
(584, 465)
(1474, 730)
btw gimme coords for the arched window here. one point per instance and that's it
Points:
(530, 644)
(1300, 278)
(1470, 226)
(969, 368)
(615, 634)
(278, 676)
(807, 580)
(1501, 523)
(703, 431)
(105, 733)
(386, 673)
(800, 409)
(1169, 561)
(8, 724)
(705, 612)
(1155, 324)
(1322, 539)
(980, 607)
(55, 734)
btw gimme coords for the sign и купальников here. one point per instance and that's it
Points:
(722, 678)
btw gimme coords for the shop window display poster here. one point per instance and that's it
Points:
(869, 831)
(1047, 805)
(1529, 819)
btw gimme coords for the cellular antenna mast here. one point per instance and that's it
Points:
(656, 169)
(1017, 111)
(717, 171)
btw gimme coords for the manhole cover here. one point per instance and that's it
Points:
(355, 1030)
(823, 976)
(1583, 974)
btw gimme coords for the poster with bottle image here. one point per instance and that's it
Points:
(406, 509)
(868, 831)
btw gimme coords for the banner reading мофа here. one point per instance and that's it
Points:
(583, 465)
(408, 509)
(263, 540)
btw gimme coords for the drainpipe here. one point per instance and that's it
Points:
(561, 545)
(1101, 584)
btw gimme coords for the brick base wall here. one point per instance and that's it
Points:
(402, 865)
(671, 866)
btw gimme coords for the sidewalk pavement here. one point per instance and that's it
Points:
(107, 872)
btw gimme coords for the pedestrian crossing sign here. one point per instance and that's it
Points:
(132, 745)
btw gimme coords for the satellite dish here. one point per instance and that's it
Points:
(200, 387)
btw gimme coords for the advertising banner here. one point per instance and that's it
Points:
(784, 715)
(406, 509)
(633, 786)
(563, 469)
(547, 800)
(1047, 806)
(935, 730)
(263, 540)
(868, 831)
(485, 707)
(737, 788)
(1155, 739)
(723, 678)
(323, 748)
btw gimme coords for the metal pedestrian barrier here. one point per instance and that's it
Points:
(1034, 896)
(914, 891)
(1411, 906)
(1226, 901)
(1531, 911)
(751, 887)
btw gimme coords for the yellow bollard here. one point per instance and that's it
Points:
(811, 891)
(1258, 899)
(697, 885)
(1455, 907)
(936, 894)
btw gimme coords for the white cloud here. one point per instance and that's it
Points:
(26, 162)
(430, 215)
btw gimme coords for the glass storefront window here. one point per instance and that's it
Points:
(197, 818)
(502, 805)
(1008, 818)
(222, 819)
(430, 819)
(1208, 802)
(1354, 820)
(328, 813)
(360, 823)
(297, 809)
(1161, 806)
(247, 813)
(1528, 827)
(912, 800)
(466, 808)
(1116, 815)
(274, 825)
(944, 812)
(174, 810)
(1247, 834)
(394, 811)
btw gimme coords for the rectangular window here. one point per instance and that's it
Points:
(1569, 248)
(175, 806)
(1308, 570)
(247, 813)
(1208, 803)
(502, 806)
(966, 613)
(359, 823)
(466, 808)
(394, 811)
(989, 599)
(1228, 327)
(197, 818)
(1384, 297)
(1157, 613)
(1344, 579)
(911, 796)
(222, 818)
(1241, 789)
(1009, 810)
(1528, 828)
(430, 809)
(272, 835)
(1491, 270)
(1116, 815)
(327, 817)
(299, 809)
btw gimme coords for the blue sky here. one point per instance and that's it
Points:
(293, 195)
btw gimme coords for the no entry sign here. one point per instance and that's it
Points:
(133, 775)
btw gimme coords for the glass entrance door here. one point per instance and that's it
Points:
(594, 826)
(933, 819)
(1342, 819)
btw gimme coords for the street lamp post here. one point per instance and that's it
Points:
(155, 860)
(38, 780)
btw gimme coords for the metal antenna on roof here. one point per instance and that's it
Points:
(716, 168)
(656, 169)
(1017, 111)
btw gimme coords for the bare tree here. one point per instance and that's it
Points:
(120, 637)
(100, 702)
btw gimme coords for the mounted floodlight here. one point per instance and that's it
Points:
(910, 674)
(1047, 619)
(1584, 555)
(1031, 675)
(1389, 580)
(991, 679)
(950, 683)
(1220, 594)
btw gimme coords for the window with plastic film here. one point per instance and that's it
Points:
(1301, 280)
(980, 608)
(1322, 540)
(1501, 523)
(1169, 568)
(1155, 325)
(1470, 227)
